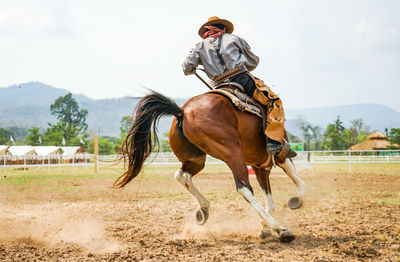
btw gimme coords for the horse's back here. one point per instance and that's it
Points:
(214, 125)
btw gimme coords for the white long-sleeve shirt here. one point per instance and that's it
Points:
(235, 52)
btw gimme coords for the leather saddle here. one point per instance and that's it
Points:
(235, 93)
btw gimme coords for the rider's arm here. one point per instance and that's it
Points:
(252, 59)
(192, 61)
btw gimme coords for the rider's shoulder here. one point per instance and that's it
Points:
(199, 44)
(230, 36)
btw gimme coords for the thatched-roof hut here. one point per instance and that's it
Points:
(375, 141)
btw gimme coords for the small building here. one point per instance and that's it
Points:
(375, 141)
(47, 150)
(22, 151)
(74, 154)
(3, 150)
(48, 153)
(22, 155)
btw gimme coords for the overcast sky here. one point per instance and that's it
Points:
(314, 53)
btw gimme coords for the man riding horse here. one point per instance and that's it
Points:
(228, 58)
(210, 124)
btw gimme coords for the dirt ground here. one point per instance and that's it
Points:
(73, 216)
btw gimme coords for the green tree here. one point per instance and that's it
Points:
(335, 136)
(105, 146)
(33, 136)
(53, 137)
(164, 146)
(311, 134)
(316, 138)
(358, 132)
(394, 137)
(126, 123)
(4, 136)
(293, 138)
(77, 141)
(71, 120)
(18, 133)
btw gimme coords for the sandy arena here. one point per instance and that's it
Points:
(71, 215)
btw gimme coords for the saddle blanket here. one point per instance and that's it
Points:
(239, 99)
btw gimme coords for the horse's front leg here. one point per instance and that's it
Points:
(185, 178)
(289, 168)
(262, 175)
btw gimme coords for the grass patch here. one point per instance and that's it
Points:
(78, 179)
(391, 201)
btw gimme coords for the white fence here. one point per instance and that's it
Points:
(343, 156)
(38, 161)
(361, 156)
(312, 157)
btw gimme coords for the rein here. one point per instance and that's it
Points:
(202, 80)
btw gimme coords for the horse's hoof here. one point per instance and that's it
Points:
(295, 203)
(201, 216)
(286, 236)
(265, 234)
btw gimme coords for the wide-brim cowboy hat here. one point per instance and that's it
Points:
(216, 20)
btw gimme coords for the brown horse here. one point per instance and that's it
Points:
(208, 124)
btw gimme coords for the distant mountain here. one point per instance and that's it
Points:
(28, 105)
(377, 117)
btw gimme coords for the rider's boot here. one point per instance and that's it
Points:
(273, 147)
(275, 130)
(276, 148)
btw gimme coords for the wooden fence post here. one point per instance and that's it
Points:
(96, 153)
(5, 160)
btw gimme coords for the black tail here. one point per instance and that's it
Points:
(138, 144)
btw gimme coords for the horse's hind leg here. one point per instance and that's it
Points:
(193, 161)
(184, 176)
(289, 168)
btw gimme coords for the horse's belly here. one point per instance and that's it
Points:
(253, 139)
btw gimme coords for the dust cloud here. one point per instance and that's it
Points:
(51, 224)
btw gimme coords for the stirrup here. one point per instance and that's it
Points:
(287, 152)
(291, 154)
